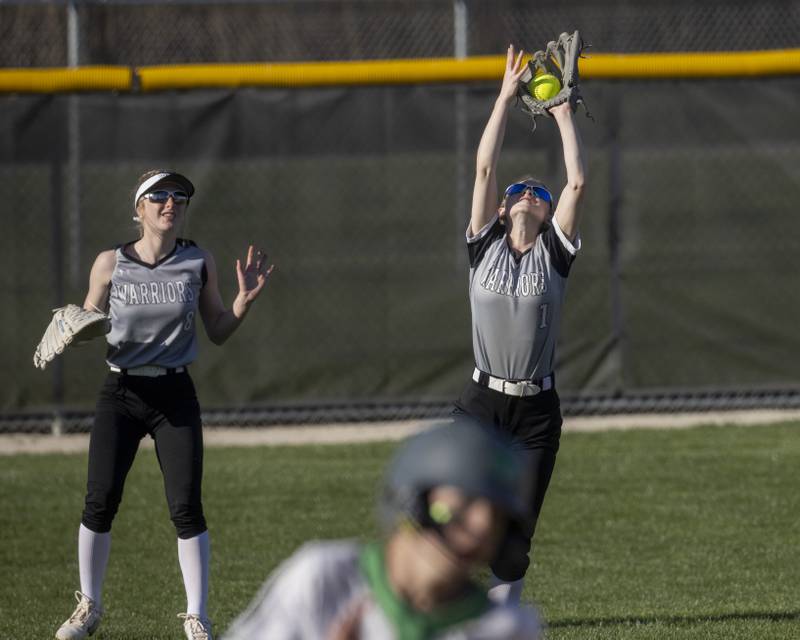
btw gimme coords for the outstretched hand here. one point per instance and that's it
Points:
(515, 68)
(252, 276)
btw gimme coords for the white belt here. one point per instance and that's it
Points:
(513, 387)
(149, 370)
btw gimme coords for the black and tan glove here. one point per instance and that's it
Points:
(559, 59)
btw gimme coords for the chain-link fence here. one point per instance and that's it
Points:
(136, 32)
(683, 296)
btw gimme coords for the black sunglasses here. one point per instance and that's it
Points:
(162, 195)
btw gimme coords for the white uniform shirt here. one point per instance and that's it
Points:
(324, 581)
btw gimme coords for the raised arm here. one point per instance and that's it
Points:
(484, 194)
(99, 281)
(220, 322)
(567, 212)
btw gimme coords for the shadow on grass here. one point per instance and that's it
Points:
(771, 616)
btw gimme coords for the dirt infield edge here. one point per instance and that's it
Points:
(14, 443)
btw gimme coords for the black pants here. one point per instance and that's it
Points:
(130, 407)
(534, 424)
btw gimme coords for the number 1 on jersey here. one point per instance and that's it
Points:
(543, 315)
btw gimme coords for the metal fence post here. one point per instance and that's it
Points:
(460, 51)
(57, 283)
(615, 195)
(74, 150)
(74, 213)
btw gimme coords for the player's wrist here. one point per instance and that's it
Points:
(505, 100)
(561, 112)
(240, 306)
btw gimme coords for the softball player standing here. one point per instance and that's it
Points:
(153, 289)
(520, 254)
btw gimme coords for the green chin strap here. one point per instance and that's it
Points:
(409, 623)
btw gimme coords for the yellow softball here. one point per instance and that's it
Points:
(544, 86)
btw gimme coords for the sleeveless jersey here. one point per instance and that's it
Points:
(516, 301)
(153, 308)
(322, 582)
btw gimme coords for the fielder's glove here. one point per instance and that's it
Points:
(559, 58)
(69, 324)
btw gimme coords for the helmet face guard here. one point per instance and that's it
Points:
(463, 454)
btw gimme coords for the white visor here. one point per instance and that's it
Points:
(163, 176)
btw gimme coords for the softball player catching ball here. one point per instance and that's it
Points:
(154, 288)
(520, 254)
(447, 498)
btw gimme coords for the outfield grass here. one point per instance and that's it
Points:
(644, 534)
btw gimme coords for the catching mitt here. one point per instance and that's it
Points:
(559, 59)
(69, 324)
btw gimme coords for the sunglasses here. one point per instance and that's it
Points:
(521, 187)
(162, 195)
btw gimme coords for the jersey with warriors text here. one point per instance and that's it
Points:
(153, 308)
(516, 300)
(310, 595)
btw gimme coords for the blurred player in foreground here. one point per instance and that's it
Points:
(447, 499)
(521, 248)
(154, 288)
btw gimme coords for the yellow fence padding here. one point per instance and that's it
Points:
(479, 68)
(55, 80)
(692, 65)
(640, 66)
(316, 74)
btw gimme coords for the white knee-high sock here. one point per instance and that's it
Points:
(193, 555)
(501, 592)
(93, 550)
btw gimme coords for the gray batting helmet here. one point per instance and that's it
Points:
(460, 453)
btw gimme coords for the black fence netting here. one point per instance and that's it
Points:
(141, 32)
(686, 284)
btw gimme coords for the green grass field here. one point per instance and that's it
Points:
(644, 534)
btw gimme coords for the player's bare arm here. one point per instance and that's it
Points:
(484, 194)
(567, 213)
(100, 281)
(347, 628)
(220, 322)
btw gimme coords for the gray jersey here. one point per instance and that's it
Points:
(310, 594)
(153, 308)
(516, 302)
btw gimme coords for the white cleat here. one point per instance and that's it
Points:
(83, 621)
(195, 627)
